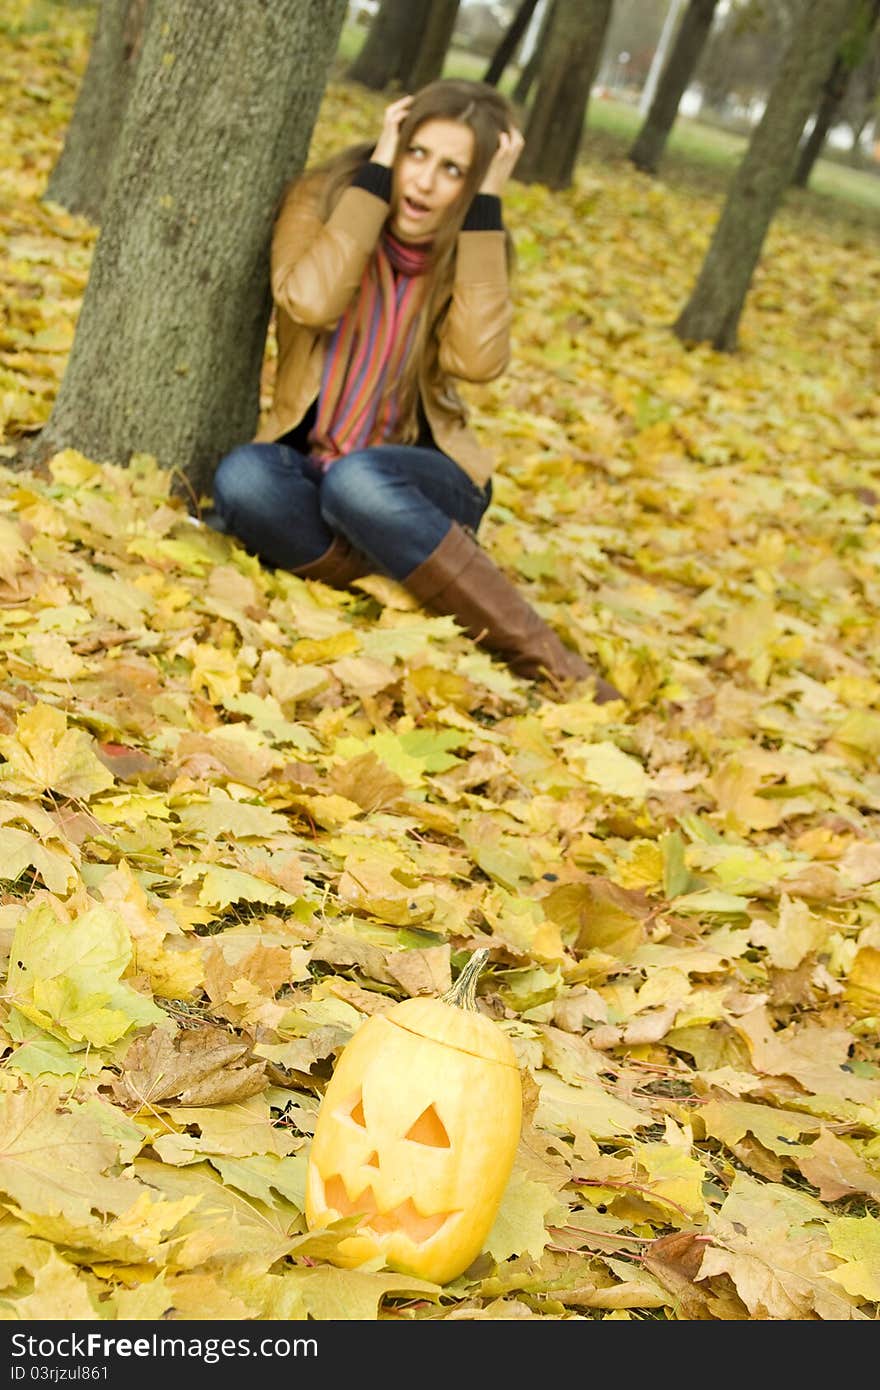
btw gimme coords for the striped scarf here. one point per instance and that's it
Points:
(358, 403)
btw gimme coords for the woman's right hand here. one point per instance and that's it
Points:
(386, 146)
(510, 147)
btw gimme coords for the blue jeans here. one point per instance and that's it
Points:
(393, 502)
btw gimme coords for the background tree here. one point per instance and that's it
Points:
(389, 51)
(742, 55)
(431, 53)
(79, 179)
(168, 349)
(526, 80)
(714, 309)
(850, 54)
(569, 61)
(635, 29)
(693, 31)
(861, 101)
(833, 92)
(513, 36)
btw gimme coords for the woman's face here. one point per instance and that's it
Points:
(429, 177)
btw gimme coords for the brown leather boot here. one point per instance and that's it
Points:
(338, 566)
(460, 580)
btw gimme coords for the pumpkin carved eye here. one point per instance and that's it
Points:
(429, 1129)
(356, 1111)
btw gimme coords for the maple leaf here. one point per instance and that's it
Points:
(598, 913)
(330, 1294)
(367, 781)
(675, 1176)
(223, 1225)
(13, 549)
(56, 1158)
(675, 1261)
(66, 977)
(836, 1170)
(19, 851)
(200, 1066)
(59, 1292)
(767, 1239)
(856, 1241)
(45, 755)
(175, 966)
(520, 1226)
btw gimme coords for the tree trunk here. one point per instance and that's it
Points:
(832, 95)
(80, 176)
(855, 148)
(568, 65)
(648, 146)
(506, 49)
(713, 311)
(168, 349)
(434, 45)
(392, 44)
(849, 55)
(528, 76)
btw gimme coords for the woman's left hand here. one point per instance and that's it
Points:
(510, 147)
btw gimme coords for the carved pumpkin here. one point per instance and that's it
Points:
(417, 1132)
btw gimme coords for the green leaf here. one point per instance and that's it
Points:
(65, 976)
(350, 1295)
(856, 1241)
(264, 1174)
(520, 1226)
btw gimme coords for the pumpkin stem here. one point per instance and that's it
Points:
(463, 993)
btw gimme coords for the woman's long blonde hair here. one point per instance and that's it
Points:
(487, 113)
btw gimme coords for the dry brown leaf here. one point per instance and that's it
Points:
(837, 1170)
(675, 1261)
(195, 1066)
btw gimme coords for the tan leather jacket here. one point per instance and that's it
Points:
(317, 268)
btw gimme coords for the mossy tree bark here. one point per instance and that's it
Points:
(392, 44)
(693, 31)
(569, 59)
(81, 173)
(714, 309)
(168, 348)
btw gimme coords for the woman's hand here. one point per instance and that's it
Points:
(386, 146)
(510, 147)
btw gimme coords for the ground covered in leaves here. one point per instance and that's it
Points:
(240, 813)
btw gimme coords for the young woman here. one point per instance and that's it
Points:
(390, 269)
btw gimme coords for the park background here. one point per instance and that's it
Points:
(240, 812)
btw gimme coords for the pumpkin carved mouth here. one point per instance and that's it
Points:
(405, 1217)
